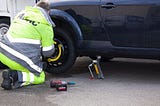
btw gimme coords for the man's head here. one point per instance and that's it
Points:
(44, 4)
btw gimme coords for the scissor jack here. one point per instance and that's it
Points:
(95, 69)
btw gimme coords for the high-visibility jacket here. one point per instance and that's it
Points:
(29, 36)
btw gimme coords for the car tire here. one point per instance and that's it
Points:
(65, 62)
(4, 26)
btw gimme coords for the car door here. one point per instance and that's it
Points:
(153, 25)
(87, 15)
(124, 21)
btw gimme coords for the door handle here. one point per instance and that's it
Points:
(108, 6)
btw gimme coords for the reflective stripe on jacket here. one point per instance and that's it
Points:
(30, 33)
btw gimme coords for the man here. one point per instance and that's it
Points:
(30, 36)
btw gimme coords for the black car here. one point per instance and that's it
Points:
(109, 28)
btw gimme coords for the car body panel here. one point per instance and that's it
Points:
(130, 28)
(125, 23)
(131, 23)
(87, 15)
(74, 2)
(153, 27)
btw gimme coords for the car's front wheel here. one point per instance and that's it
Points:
(64, 56)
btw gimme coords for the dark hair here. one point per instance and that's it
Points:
(44, 5)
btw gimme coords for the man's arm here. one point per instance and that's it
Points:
(47, 42)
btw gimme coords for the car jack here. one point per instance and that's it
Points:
(95, 69)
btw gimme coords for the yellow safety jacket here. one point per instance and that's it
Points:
(30, 34)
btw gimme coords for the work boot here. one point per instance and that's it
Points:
(7, 80)
(14, 75)
(17, 84)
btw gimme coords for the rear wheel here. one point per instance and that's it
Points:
(64, 56)
(4, 26)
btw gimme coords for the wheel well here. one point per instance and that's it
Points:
(5, 18)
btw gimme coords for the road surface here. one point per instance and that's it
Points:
(128, 82)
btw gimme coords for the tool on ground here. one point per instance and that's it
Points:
(60, 85)
(95, 69)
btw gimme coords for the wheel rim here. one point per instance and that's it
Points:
(60, 56)
(3, 30)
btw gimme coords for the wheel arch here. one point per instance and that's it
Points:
(66, 21)
(5, 17)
